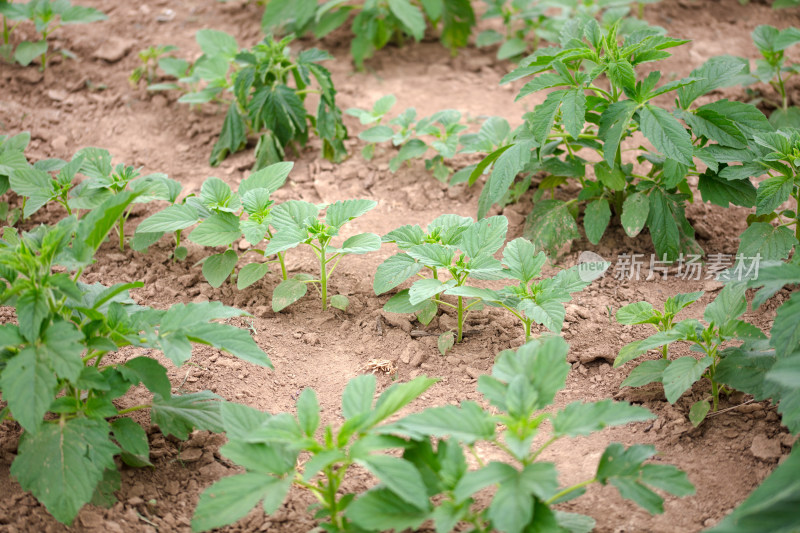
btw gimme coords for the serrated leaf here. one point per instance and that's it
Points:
(233, 136)
(28, 386)
(550, 225)
(132, 438)
(400, 303)
(573, 110)
(271, 178)
(484, 237)
(666, 134)
(381, 509)
(220, 229)
(394, 271)
(410, 16)
(217, 43)
(681, 374)
(769, 242)
(636, 313)
(584, 418)
(359, 244)
(357, 396)
(468, 423)
(646, 372)
(722, 192)
(614, 122)
(341, 212)
(698, 412)
(400, 476)
(27, 51)
(424, 289)
(179, 415)
(173, 218)
(288, 292)
(786, 328)
(231, 498)
(523, 262)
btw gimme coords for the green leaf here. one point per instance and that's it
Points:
(719, 71)
(729, 305)
(772, 192)
(427, 288)
(32, 310)
(666, 134)
(698, 412)
(28, 386)
(96, 224)
(432, 255)
(400, 476)
(357, 396)
(716, 127)
(63, 463)
(394, 271)
(681, 331)
(410, 16)
(681, 374)
(475, 480)
(342, 212)
(233, 136)
(288, 292)
(173, 218)
(250, 274)
(410, 150)
(523, 263)
(308, 411)
(586, 418)
(722, 192)
(646, 372)
(217, 43)
(132, 438)
(63, 346)
(271, 177)
(635, 212)
(179, 415)
(484, 237)
(468, 423)
(596, 219)
(377, 134)
(218, 267)
(27, 51)
(512, 507)
(613, 178)
(220, 229)
(236, 341)
(445, 342)
(614, 122)
(573, 110)
(544, 115)
(786, 328)
(231, 498)
(294, 213)
(636, 313)
(362, 243)
(151, 373)
(398, 396)
(770, 242)
(550, 225)
(663, 226)
(381, 509)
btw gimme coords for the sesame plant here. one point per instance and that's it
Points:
(223, 218)
(298, 223)
(775, 70)
(151, 58)
(420, 461)
(265, 89)
(376, 22)
(596, 102)
(47, 16)
(57, 375)
(440, 133)
(722, 324)
(38, 186)
(526, 23)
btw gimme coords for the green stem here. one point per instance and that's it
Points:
(122, 233)
(283, 266)
(715, 395)
(570, 489)
(528, 324)
(323, 280)
(132, 409)
(6, 33)
(460, 318)
(540, 450)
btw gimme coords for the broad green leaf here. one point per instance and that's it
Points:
(410, 150)
(550, 225)
(475, 480)
(217, 43)
(666, 134)
(766, 240)
(729, 305)
(236, 341)
(287, 237)
(151, 373)
(445, 342)
(716, 127)
(394, 271)
(636, 313)
(405, 236)
(96, 224)
(550, 313)
(220, 229)
(357, 396)
(359, 244)
(308, 411)
(410, 16)
(722, 192)
(400, 303)
(294, 213)
(381, 509)
(62, 347)
(544, 115)
(681, 374)
(180, 415)
(698, 412)
(231, 498)
(611, 177)
(510, 162)
(646, 372)
(400, 476)
(484, 237)
(288, 292)
(663, 226)
(341, 212)
(271, 177)
(522, 261)
(32, 310)
(772, 192)
(63, 463)
(132, 438)
(681, 331)
(432, 255)
(427, 288)
(398, 396)
(614, 122)
(468, 423)
(218, 267)
(173, 218)
(377, 134)
(585, 418)
(786, 328)
(635, 212)
(27, 51)
(29, 387)
(719, 71)
(596, 219)
(512, 507)
(747, 117)
(250, 274)
(233, 136)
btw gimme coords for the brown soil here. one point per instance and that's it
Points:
(89, 102)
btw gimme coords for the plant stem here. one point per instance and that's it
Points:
(132, 409)
(460, 318)
(715, 395)
(6, 33)
(570, 489)
(283, 266)
(323, 280)
(527, 329)
(122, 232)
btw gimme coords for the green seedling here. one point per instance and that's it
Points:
(268, 89)
(644, 313)
(47, 16)
(376, 22)
(12, 158)
(297, 223)
(775, 70)
(678, 376)
(416, 138)
(598, 103)
(150, 59)
(528, 22)
(420, 461)
(224, 218)
(57, 377)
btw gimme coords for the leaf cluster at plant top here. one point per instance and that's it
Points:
(269, 90)
(376, 23)
(444, 128)
(528, 22)
(225, 218)
(774, 70)
(54, 372)
(47, 16)
(580, 116)
(463, 250)
(432, 480)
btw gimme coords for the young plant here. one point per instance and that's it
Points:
(587, 113)
(297, 222)
(455, 249)
(150, 59)
(38, 187)
(223, 218)
(47, 16)
(431, 479)
(376, 23)
(678, 375)
(776, 71)
(12, 158)
(55, 371)
(268, 90)
(644, 313)
(440, 132)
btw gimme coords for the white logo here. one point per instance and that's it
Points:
(591, 266)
